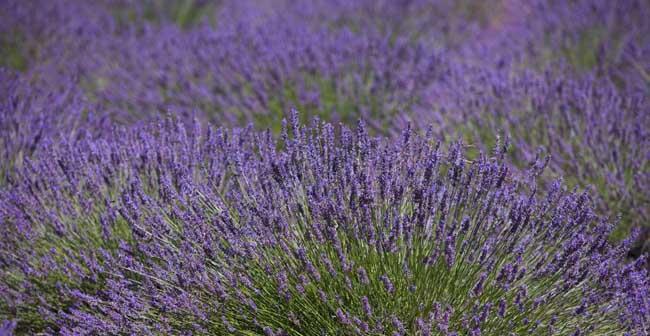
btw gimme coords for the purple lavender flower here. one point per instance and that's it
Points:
(7, 328)
(227, 244)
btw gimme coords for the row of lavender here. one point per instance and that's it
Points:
(197, 230)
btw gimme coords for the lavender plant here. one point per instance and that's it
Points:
(210, 231)
(33, 115)
(244, 74)
(607, 38)
(593, 131)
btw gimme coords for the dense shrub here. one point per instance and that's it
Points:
(595, 133)
(216, 231)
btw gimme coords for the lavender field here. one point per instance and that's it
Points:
(325, 167)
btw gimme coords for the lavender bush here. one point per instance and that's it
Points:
(33, 114)
(594, 133)
(216, 231)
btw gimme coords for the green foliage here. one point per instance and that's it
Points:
(184, 13)
(12, 51)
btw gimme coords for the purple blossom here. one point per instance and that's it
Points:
(7, 328)
(113, 221)
(161, 252)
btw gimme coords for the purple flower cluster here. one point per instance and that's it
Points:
(595, 135)
(216, 231)
(132, 200)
